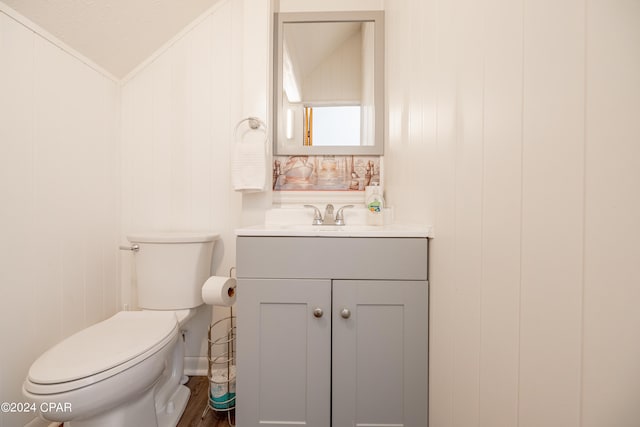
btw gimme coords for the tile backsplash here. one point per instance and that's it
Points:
(325, 173)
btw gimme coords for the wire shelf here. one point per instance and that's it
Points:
(221, 369)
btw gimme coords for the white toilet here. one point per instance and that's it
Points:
(127, 370)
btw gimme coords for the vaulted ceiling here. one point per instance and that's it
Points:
(115, 34)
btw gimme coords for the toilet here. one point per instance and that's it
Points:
(127, 370)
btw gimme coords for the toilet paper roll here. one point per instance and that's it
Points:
(223, 381)
(218, 290)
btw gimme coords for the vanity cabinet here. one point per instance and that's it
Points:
(332, 331)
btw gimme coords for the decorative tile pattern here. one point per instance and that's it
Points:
(332, 173)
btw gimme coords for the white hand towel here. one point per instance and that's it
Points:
(249, 164)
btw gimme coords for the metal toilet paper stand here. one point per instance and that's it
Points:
(221, 357)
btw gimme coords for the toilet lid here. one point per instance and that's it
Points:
(104, 346)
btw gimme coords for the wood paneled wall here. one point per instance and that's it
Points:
(513, 129)
(178, 116)
(59, 200)
(179, 111)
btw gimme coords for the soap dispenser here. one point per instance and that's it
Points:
(374, 204)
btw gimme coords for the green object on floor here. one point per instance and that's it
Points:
(226, 401)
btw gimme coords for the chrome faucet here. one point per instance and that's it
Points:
(329, 218)
(340, 215)
(317, 216)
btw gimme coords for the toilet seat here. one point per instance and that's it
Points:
(101, 351)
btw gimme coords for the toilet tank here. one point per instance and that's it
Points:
(171, 268)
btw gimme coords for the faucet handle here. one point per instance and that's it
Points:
(340, 215)
(317, 216)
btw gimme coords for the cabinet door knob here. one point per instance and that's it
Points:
(317, 312)
(345, 313)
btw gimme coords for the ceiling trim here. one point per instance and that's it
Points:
(38, 30)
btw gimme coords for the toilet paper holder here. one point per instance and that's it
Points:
(221, 356)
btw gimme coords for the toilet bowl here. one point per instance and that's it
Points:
(126, 370)
(112, 364)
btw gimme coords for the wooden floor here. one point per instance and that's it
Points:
(199, 387)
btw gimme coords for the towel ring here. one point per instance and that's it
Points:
(254, 123)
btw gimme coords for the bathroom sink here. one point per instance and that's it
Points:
(296, 222)
(297, 230)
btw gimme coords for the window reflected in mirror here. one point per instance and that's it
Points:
(331, 126)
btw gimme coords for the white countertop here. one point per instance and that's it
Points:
(282, 230)
(296, 222)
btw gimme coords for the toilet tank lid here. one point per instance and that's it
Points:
(173, 237)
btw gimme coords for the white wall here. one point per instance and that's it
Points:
(179, 112)
(58, 192)
(178, 116)
(513, 129)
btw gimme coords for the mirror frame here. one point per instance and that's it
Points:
(377, 17)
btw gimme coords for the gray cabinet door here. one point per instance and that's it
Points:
(380, 342)
(284, 356)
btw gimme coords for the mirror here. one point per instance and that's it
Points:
(329, 83)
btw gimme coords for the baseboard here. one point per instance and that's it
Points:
(195, 366)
